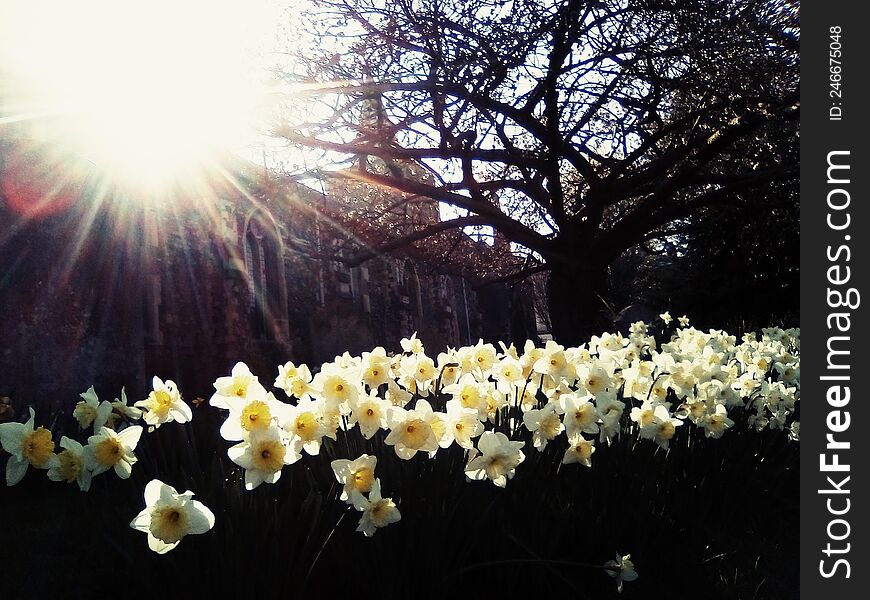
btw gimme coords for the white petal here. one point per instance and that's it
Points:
(142, 522)
(84, 480)
(124, 467)
(252, 479)
(154, 491)
(71, 445)
(103, 412)
(201, 518)
(15, 470)
(130, 436)
(159, 546)
(11, 436)
(181, 412)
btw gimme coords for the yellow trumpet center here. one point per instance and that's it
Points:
(169, 524)
(362, 480)
(269, 456)
(38, 446)
(306, 426)
(256, 416)
(70, 466)
(108, 452)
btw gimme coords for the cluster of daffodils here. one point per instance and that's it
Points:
(495, 403)
(168, 516)
(110, 447)
(358, 479)
(489, 400)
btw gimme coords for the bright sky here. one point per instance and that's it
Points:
(147, 89)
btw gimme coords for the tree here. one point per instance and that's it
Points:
(575, 130)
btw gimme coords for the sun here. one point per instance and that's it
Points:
(147, 91)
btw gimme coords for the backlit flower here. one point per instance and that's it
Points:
(411, 430)
(122, 407)
(370, 413)
(377, 512)
(579, 450)
(241, 383)
(715, 424)
(497, 460)
(661, 427)
(412, 345)
(28, 446)
(164, 404)
(622, 569)
(580, 414)
(544, 424)
(305, 425)
(460, 424)
(355, 475)
(109, 450)
(169, 516)
(249, 415)
(262, 456)
(90, 411)
(69, 465)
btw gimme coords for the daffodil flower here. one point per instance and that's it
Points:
(377, 512)
(28, 447)
(169, 516)
(622, 569)
(109, 450)
(355, 475)
(90, 411)
(70, 465)
(164, 404)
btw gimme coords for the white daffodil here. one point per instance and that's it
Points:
(124, 409)
(554, 362)
(666, 317)
(28, 446)
(580, 414)
(337, 386)
(241, 383)
(622, 569)
(544, 423)
(460, 424)
(469, 393)
(306, 425)
(355, 475)
(249, 415)
(262, 456)
(70, 465)
(508, 374)
(169, 516)
(498, 459)
(109, 450)
(375, 368)
(90, 411)
(412, 345)
(370, 413)
(164, 404)
(448, 368)
(377, 512)
(483, 357)
(411, 430)
(715, 424)
(579, 450)
(661, 427)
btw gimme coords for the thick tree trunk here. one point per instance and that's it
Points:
(575, 299)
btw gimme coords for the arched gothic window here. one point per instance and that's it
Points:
(263, 266)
